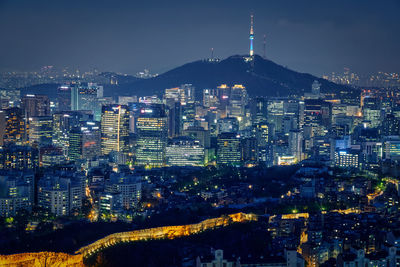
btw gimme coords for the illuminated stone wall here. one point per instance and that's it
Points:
(41, 259)
(168, 232)
(165, 232)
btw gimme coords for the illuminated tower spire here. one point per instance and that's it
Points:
(251, 36)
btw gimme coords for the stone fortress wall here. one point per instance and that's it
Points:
(164, 232)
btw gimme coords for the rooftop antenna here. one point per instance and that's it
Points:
(265, 47)
(212, 53)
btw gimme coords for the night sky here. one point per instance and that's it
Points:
(127, 36)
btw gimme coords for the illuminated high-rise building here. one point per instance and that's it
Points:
(237, 103)
(390, 125)
(183, 94)
(228, 125)
(347, 158)
(84, 141)
(15, 126)
(174, 118)
(2, 126)
(184, 151)
(258, 107)
(371, 111)
(263, 133)
(114, 129)
(295, 144)
(129, 188)
(85, 97)
(152, 132)
(317, 117)
(229, 149)
(17, 157)
(200, 134)
(224, 94)
(188, 112)
(249, 150)
(210, 98)
(35, 105)
(64, 97)
(41, 130)
(60, 195)
(64, 122)
(181, 104)
(391, 149)
(176, 93)
(9, 98)
(16, 194)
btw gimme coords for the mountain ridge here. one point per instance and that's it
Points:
(261, 77)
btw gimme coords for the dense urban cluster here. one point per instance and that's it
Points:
(320, 168)
(380, 79)
(52, 74)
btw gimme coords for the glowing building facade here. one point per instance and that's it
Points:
(229, 149)
(114, 129)
(41, 130)
(152, 131)
(184, 151)
(84, 142)
(15, 127)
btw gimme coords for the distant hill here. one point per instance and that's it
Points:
(261, 77)
(49, 89)
(122, 79)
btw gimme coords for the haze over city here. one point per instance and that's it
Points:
(128, 36)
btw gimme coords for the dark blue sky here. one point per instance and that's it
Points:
(306, 35)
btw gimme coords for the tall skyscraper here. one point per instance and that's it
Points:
(85, 97)
(237, 103)
(188, 115)
(35, 105)
(200, 134)
(229, 149)
(295, 144)
(151, 127)
(210, 98)
(258, 107)
(224, 93)
(41, 130)
(15, 126)
(2, 126)
(316, 88)
(114, 129)
(84, 141)
(317, 116)
(249, 150)
(64, 122)
(183, 94)
(64, 97)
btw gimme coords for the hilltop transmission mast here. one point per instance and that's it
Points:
(251, 36)
(265, 47)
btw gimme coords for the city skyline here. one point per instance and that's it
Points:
(127, 37)
(249, 133)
